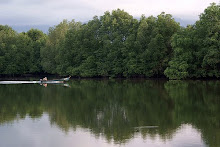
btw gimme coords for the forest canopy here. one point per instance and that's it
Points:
(117, 45)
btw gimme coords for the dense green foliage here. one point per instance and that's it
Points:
(117, 45)
(20, 53)
(197, 48)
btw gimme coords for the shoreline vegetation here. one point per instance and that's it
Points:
(57, 76)
(116, 45)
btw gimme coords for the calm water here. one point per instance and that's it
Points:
(102, 113)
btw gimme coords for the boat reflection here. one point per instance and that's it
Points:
(60, 84)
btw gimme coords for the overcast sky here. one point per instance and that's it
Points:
(51, 12)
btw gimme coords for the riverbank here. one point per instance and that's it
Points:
(56, 76)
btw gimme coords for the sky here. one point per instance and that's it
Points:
(41, 132)
(52, 12)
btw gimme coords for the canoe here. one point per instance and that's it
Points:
(52, 81)
(57, 81)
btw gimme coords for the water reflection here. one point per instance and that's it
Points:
(120, 112)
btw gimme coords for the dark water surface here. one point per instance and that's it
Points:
(102, 113)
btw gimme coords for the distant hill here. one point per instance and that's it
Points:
(184, 22)
(44, 28)
(25, 28)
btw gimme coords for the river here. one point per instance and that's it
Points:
(102, 113)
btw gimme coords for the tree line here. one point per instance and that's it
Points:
(117, 45)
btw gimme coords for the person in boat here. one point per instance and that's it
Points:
(44, 79)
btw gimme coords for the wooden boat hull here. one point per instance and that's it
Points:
(31, 82)
(51, 82)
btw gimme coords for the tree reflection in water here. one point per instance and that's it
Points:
(119, 110)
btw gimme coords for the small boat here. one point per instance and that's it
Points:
(51, 82)
(56, 81)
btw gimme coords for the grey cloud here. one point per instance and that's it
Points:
(18, 20)
(30, 2)
(51, 12)
(6, 1)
